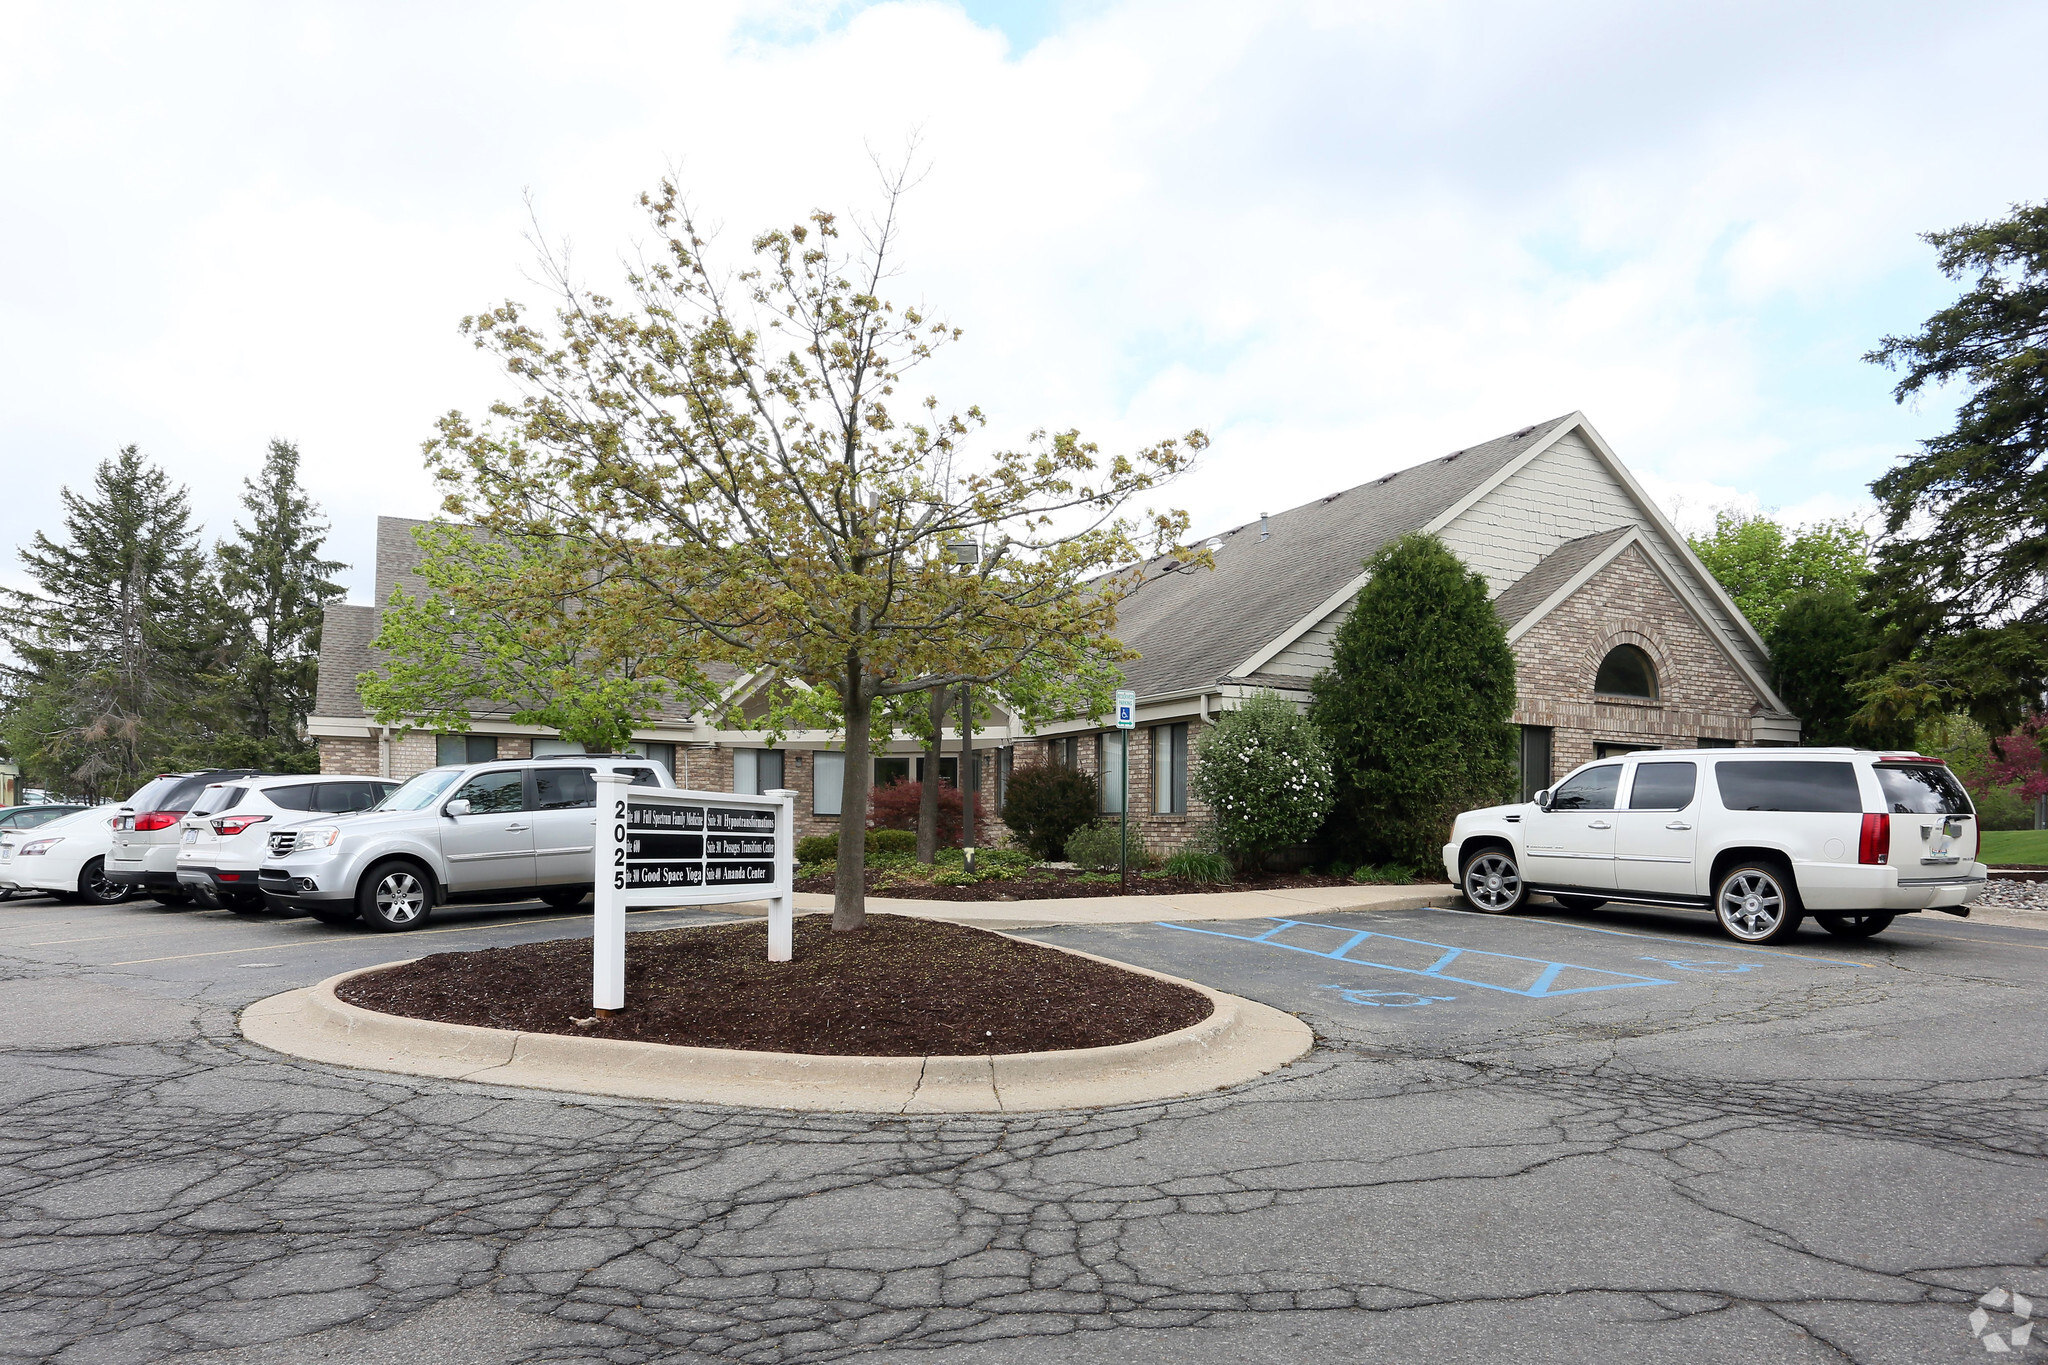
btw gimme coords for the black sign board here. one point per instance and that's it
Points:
(669, 845)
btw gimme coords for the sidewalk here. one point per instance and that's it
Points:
(1309, 900)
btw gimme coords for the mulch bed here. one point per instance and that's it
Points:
(898, 987)
(1058, 884)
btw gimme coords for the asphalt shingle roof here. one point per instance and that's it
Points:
(1552, 572)
(1194, 628)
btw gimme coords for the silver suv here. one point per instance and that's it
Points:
(478, 831)
(1761, 837)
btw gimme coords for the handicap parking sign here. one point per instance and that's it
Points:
(1126, 708)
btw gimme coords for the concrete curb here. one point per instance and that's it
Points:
(1214, 905)
(1240, 1041)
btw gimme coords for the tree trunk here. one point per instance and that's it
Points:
(928, 798)
(849, 879)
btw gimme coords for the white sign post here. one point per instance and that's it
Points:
(663, 846)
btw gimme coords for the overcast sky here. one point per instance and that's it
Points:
(1341, 237)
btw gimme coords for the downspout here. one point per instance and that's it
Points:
(383, 751)
(1205, 708)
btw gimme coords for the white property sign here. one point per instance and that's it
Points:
(663, 846)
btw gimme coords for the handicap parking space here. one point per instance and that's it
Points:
(1436, 972)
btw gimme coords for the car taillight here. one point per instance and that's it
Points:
(235, 824)
(158, 819)
(1876, 844)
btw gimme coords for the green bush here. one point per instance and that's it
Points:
(1045, 804)
(2002, 808)
(1265, 775)
(824, 848)
(1198, 865)
(892, 841)
(1392, 874)
(1416, 704)
(1096, 847)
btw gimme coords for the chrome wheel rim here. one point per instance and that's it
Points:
(400, 898)
(1752, 904)
(1492, 882)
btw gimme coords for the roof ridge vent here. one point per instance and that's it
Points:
(1452, 456)
(1386, 478)
(1334, 496)
(1520, 434)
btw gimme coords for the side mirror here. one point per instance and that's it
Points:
(456, 807)
(1542, 799)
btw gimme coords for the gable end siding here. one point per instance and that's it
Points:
(1563, 494)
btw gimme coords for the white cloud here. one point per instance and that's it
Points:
(1341, 238)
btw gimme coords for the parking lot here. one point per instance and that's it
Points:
(1556, 1137)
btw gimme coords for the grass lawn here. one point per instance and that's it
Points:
(2002, 846)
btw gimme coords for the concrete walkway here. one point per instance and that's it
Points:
(1308, 900)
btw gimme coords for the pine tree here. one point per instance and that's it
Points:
(274, 589)
(110, 675)
(1416, 703)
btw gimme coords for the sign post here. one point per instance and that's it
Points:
(1126, 719)
(664, 846)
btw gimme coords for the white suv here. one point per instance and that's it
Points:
(234, 828)
(482, 831)
(147, 827)
(1761, 837)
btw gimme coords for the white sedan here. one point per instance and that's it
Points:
(66, 858)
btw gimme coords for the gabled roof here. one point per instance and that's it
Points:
(1536, 587)
(1194, 628)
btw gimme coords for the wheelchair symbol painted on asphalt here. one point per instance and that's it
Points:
(1394, 999)
(1701, 964)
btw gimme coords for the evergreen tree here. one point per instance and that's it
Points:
(1961, 584)
(274, 589)
(110, 675)
(1415, 704)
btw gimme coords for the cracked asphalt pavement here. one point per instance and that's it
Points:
(1558, 1137)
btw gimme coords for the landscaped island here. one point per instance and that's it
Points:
(898, 987)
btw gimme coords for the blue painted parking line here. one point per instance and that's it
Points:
(1654, 938)
(1533, 978)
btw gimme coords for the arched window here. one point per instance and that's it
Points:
(1626, 672)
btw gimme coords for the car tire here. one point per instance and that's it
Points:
(95, 888)
(338, 912)
(1580, 902)
(1492, 882)
(395, 897)
(1757, 902)
(1855, 926)
(564, 898)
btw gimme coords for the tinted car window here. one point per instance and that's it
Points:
(1663, 786)
(339, 798)
(1592, 789)
(151, 795)
(563, 788)
(1923, 789)
(494, 793)
(43, 815)
(1791, 785)
(640, 777)
(218, 798)
(291, 798)
(185, 793)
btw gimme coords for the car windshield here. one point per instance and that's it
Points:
(1922, 789)
(421, 792)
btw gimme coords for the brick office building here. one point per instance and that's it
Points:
(1622, 640)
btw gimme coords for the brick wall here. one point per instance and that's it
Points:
(353, 756)
(1161, 834)
(1701, 694)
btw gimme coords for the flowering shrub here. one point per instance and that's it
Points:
(1265, 774)
(895, 807)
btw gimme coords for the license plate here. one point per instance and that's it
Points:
(6, 853)
(191, 836)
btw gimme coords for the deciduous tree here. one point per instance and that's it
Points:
(1764, 566)
(723, 456)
